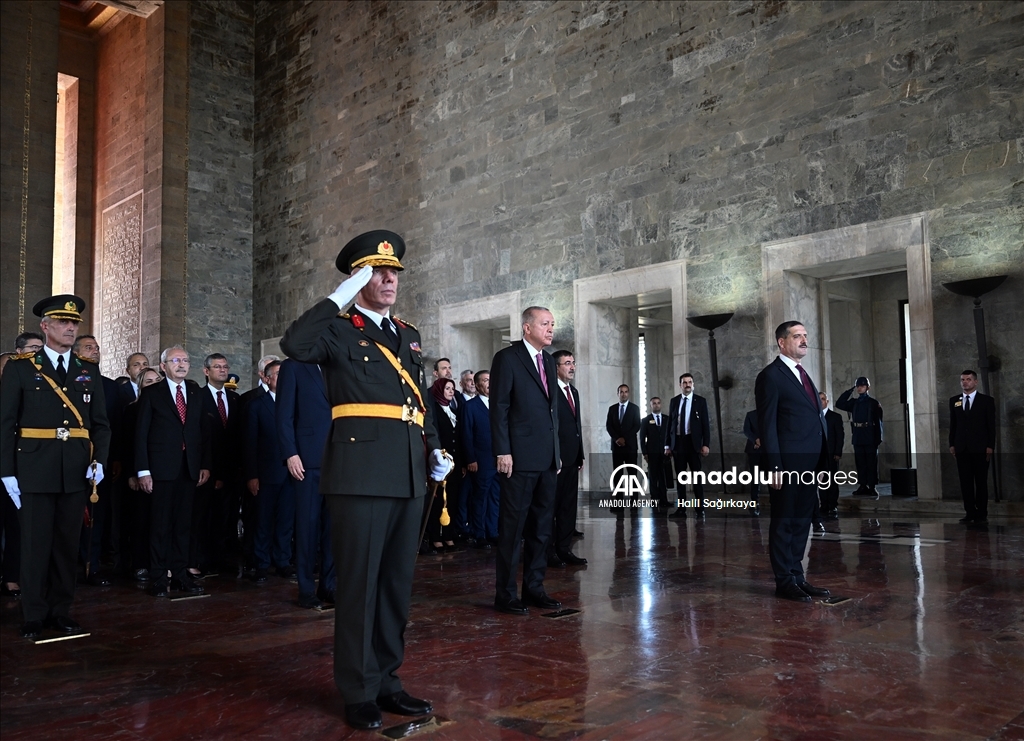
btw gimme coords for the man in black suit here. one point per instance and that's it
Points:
(753, 451)
(623, 424)
(972, 440)
(267, 478)
(524, 436)
(213, 526)
(653, 432)
(245, 506)
(836, 437)
(54, 437)
(87, 347)
(570, 444)
(382, 446)
(134, 365)
(172, 453)
(793, 438)
(689, 438)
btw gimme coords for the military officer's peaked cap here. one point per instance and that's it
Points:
(64, 306)
(863, 381)
(379, 248)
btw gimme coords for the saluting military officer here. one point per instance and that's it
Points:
(374, 471)
(53, 428)
(866, 424)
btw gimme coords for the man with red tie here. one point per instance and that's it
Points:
(172, 453)
(570, 444)
(524, 436)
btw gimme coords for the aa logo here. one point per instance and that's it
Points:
(628, 480)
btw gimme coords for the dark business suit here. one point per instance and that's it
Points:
(686, 448)
(275, 502)
(751, 431)
(524, 424)
(138, 503)
(450, 434)
(836, 438)
(374, 475)
(243, 505)
(484, 497)
(303, 423)
(50, 472)
(628, 427)
(212, 523)
(173, 453)
(102, 510)
(652, 445)
(793, 439)
(570, 445)
(970, 434)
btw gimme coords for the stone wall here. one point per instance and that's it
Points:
(520, 146)
(219, 317)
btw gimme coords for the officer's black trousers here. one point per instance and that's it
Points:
(50, 529)
(865, 457)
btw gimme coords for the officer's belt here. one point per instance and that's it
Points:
(402, 412)
(59, 433)
(863, 424)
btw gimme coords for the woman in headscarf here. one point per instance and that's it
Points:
(442, 537)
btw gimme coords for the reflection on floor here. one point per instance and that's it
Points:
(679, 637)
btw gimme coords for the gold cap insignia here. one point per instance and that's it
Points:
(70, 306)
(385, 248)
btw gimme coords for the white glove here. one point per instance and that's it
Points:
(348, 288)
(13, 490)
(99, 473)
(441, 465)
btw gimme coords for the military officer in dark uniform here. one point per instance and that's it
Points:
(866, 423)
(53, 429)
(374, 470)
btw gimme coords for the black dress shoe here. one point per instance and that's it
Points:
(792, 592)
(679, 514)
(577, 534)
(142, 575)
(157, 589)
(286, 572)
(95, 580)
(310, 602)
(402, 703)
(325, 595)
(555, 562)
(260, 577)
(32, 629)
(819, 527)
(186, 585)
(813, 590)
(572, 559)
(541, 600)
(965, 520)
(363, 716)
(64, 625)
(482, 544)
(6, 591)
(512, 607)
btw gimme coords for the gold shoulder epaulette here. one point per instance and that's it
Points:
(23, 355)
(404, 323)
(84, 359)
(343, 315)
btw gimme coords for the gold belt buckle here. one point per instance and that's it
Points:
(63, 434)
(408, 414)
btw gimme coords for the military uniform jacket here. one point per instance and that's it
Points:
(27, 400)
(865, 417)
(366, 456)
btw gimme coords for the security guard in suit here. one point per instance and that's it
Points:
(374, 470)
(54, 440)
(866, 424)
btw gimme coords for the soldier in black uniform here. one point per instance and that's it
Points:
(866, 423)
(374, 472)
(53, 427)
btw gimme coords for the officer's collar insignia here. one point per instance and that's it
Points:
(385, 248)
(357, 321)
(364, 343)
(414, 346)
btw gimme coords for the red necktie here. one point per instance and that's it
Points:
(807, 386)
(568, 395)
(543, 375)
(179, 401)
(222, 409)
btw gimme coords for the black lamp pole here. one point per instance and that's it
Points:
(711, 322)
(976, 288)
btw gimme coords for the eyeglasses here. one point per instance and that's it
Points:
(178, 361)
(220, 367)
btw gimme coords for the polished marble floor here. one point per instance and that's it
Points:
(679, 637)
